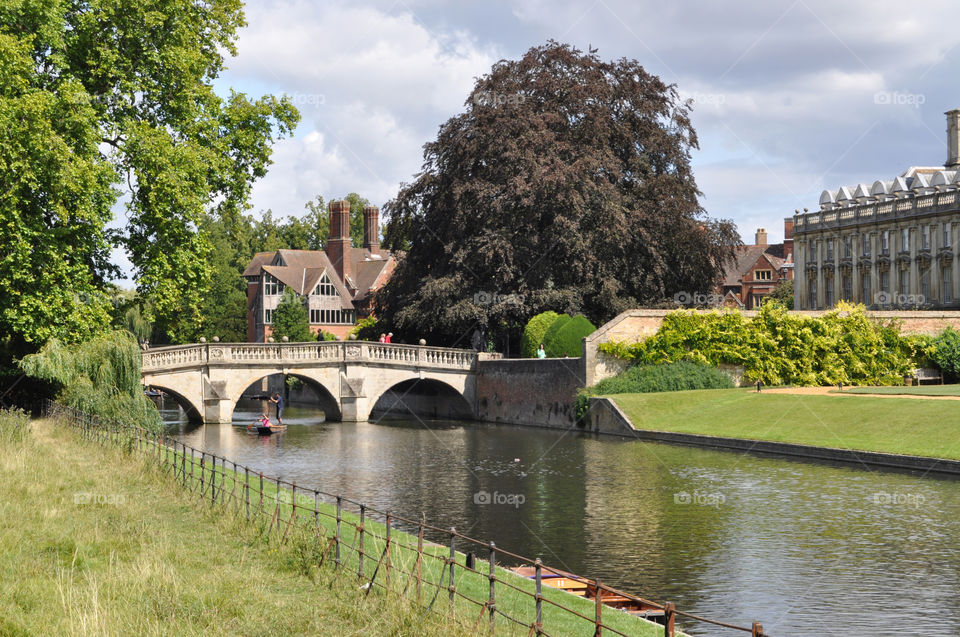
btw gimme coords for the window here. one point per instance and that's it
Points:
(332, 317)
(829, 249)
(812, 285)
(905, 240)
(847, 240)
(885, 281)
(945, 230)
(828, 292)
(924, 237)
(763, 275)
(946, 283)
(904, 282)
(324, 287)
(865, 288)
(314, 316)
(847, 283)
(267, 317)
(271, 287)
(865, 241)
(885, 242)
(925, 284)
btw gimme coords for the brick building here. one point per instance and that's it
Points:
(892, 244)
(758, 269)
(336, 284)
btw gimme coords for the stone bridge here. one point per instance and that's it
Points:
(208, 379)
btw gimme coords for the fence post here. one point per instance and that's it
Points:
(539, 597)
(203, 456)
(757, 630)
(670, 619)
(386, 553)
(246, 489)
(492, 602)
(316, 508)
(213, 481)
(183, 463)
(363, 516)
(419, 555)
(453, 563)
(336, 540)
(598, 631)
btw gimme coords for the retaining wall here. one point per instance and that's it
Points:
(529, 391)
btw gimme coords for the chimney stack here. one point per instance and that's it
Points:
(761, 239)
(953, 138)
(371, 229)
(788, 238)
(338, 243)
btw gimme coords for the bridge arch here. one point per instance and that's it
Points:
(422, 396)
(325, 398)
(192, 410)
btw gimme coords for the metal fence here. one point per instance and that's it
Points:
(393, 553)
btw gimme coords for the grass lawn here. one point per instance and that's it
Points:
(893, 425)
(920, 390)
(150, 559)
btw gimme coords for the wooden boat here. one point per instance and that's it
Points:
(262, 430)
(583, 587)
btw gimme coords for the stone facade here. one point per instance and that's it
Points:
(892, 244)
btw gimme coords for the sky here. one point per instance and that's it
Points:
(790, 96)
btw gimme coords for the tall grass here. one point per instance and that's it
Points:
(100, 376)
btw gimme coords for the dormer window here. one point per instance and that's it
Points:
(763, 275)
(324, 287)
(271, 286)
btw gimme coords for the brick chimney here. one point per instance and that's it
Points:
(371, 229)
(788, 238)
(953, 138)
(761, 239)
(338, 243)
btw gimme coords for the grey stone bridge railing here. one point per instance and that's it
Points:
(241, 354)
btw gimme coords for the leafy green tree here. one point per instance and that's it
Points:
(110, 98)
(783, 292)
(566, 185)
(290, 319)
(534, 331)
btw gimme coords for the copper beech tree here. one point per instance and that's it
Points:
(564, 185)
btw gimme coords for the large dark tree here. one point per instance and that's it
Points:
(565, 185)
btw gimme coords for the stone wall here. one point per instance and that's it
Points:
(635, 325)
(529, 391)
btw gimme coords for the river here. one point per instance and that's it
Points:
(805, 548)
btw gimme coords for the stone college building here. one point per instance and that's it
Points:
(892, 244)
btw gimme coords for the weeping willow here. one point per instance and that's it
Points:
(100, 376)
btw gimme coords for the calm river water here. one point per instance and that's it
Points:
(805, 548)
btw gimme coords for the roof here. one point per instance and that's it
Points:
(747, 258)
(916, 180)
(301, 270)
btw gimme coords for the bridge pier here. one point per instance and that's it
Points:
(217, 411)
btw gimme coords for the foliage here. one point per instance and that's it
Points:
(367, 329)
(290, 319)
(534, 332)
(224, 307)
(564, 337)
(678, 376)
(566, 185)
(783, 292)
(100, 377)
(944, 350)
(326, 336)
(110, 99)
(14, 426)
(777, 348)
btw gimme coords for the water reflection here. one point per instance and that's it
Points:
(808, 549)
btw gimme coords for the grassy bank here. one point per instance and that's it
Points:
(919, 390)
(151, 559)
(894, 425)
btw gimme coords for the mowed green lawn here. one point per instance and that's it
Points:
(893, 425)
(920, 390)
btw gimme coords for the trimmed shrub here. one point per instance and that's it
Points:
(944, 350)
(534, 332)
(566, 334)
(680, 376)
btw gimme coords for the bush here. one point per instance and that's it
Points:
(99, 377)
(534, 332)
(566, 334)
(290, 319)
(326, 336)
(366, 329)
(944, 351)
(14, 426)
(778, 348)
(644, 379)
